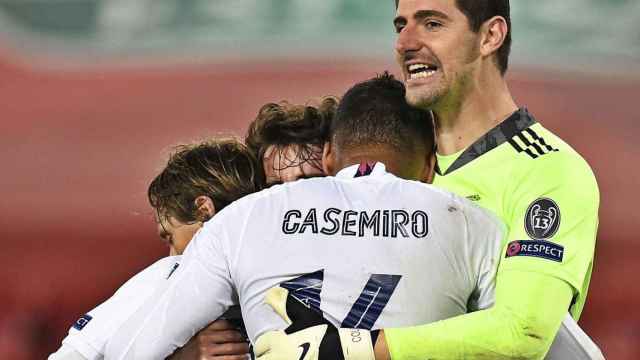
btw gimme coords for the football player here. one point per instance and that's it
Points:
(198, 181)
(454, 55)
(288, 139)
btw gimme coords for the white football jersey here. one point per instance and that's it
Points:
(571, 343)
(369, 251)
(89, 335)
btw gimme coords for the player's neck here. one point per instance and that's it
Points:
(486, 104)
(397, 164)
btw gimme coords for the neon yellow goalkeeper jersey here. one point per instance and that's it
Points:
(542, 189)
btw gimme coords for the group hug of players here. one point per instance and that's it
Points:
(424, 219)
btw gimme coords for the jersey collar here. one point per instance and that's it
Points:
(514, 124)
(370, 168)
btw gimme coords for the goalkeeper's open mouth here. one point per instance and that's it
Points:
(418, 72)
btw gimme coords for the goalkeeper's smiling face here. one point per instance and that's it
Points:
(436, 50)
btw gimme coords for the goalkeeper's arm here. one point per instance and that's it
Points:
(528, 311)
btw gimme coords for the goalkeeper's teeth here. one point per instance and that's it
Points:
(421, 71)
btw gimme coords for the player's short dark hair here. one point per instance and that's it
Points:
(375, 112)
(222, 169)
(284, 124)
(479, 11)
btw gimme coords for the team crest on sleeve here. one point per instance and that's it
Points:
(82, 322)
(542, 219)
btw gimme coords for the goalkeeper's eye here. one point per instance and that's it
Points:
(432, 25)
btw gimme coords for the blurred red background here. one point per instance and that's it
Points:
(78, 149)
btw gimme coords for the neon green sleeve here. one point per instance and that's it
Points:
(553, 220)
(521, 325)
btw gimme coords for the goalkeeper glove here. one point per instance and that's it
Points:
(309, 335)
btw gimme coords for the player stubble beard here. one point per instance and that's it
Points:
(451, 89)
(445, 96)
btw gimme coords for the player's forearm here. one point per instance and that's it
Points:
(521, 325)
(482, 335)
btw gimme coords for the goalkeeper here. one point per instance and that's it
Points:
(498, 155)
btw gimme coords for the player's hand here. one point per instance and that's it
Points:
(309, 335)
(221, 340)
